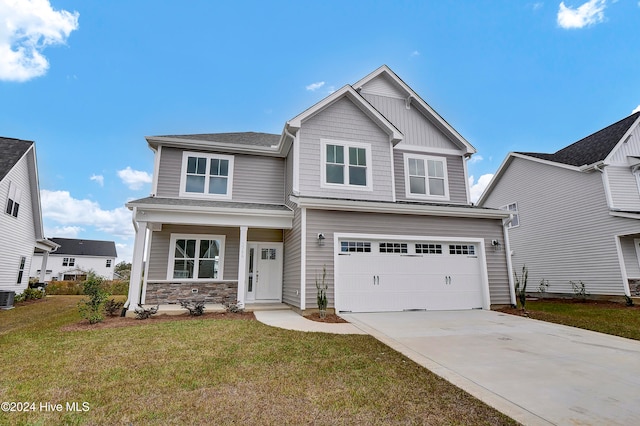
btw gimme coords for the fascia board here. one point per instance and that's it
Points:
(273, 151)
(423, 106)
(377, 207)
(628, 133)
(395, 136)
(34, 182)
(211, 210)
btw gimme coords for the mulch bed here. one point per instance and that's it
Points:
(116, 322)
(330, 318)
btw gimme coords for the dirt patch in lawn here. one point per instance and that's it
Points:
(329, 318)
(116, 322)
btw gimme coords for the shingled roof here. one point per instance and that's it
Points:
(74, 247)
(11, 150)
(591, 149)
(241, 138)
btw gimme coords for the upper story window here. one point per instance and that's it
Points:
(13, 200)
(347, 164)
(68, 261)
(426, 177)
(108, 264)
(515, 221)
(196, 256)
(206, 175)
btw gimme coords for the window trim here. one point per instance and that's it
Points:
(197, 237)
(346, 145)
(425, 158)
(14, 199)
(515, 215)
(209, 156)
(22, 266)
(69, 261)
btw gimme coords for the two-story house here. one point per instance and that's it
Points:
(21, 229)
(578, 212)
(75, 258)
(368, 189)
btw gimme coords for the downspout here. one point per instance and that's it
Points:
(507, 248)
(135, 227)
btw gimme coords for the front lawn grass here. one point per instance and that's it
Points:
(604, 317)
(215, 372)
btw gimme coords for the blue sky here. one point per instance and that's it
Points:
(88, 79)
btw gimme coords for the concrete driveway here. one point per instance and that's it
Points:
(533, 371)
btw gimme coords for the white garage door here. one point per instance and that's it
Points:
(398, 275)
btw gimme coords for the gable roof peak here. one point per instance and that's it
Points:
(11, 151)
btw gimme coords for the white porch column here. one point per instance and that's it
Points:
(242, 264)
(136, 266)
(43, 267)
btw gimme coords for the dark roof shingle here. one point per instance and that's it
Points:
(591, 149)
(240, 138)
(75, 247)
(11, 150)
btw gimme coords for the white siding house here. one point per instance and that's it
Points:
(578, 211)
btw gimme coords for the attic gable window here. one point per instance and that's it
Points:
(347, 164)
(206, 175)
(13, 200)
(426, 177)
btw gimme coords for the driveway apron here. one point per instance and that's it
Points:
(533, 371)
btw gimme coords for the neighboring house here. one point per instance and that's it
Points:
(577, 211)
(75, 258)
(369, 185)
(21, 230)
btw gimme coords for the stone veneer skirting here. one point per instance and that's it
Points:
(163, 293)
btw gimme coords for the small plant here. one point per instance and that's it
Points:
(93, 307)
(30, 294)
(195, 308)
(113, 307)
(521, 286)
(628, 300)
(543, 286)
(322, 293)
(144, 313)
(235, 307)
(579, 290)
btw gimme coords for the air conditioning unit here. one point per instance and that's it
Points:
(6, 299)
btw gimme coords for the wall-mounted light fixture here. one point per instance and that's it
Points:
(321, 239)
(495, 244)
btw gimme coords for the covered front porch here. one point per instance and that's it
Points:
(211, 252)
(629, 257)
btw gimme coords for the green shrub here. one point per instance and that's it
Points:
(92, 308)
(65, 287)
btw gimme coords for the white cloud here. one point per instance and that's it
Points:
(537, 6)
(591, 12)
(477, 188)
(475, 159)
(63, 231)
(98, 178)
(636, 110)
(134, 179)
(314, 86)
(60, 207)
(414, 54)
(26, 28)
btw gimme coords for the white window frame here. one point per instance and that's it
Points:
(198, 238)
(68, 261)
(425, 159)
(346, 145)
(15, 198)
(108, 263)
(22, 265)
(512, 207)
(205, 194)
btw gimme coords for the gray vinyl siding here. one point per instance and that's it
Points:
(330, 222)
(566, 232)
(292, 265)
(455, 174)
(18, 234)
(344, 121)
(264, 235)
(383, 85)
(630, 148)
(257, 179)
(160, 241)
(623, 187)
(415, 127)
(630, 255)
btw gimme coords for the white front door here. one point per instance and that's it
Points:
(264, 272)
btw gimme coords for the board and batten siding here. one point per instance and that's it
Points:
(257, 179)
(623, 187)
(566, 232)
(160, 241)
(17, 234)
(292, 266)
(416, 128)
(455, 175)
(330, 222)
(344, 121)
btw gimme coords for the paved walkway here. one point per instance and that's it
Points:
(292, 321)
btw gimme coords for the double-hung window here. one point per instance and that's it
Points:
(13, 200)
(68, 261)
(347, 164)
(23, 261)
(196, 257)
(206, 175)
(426, 177)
